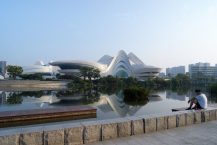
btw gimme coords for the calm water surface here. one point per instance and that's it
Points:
(108, 106)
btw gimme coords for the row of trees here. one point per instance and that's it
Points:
(90, 73)
(91, 78)
(179, 81)
(86, 72)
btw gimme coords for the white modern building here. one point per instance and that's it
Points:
(204, 69)
(39, 67)
(122, 65)
(174, 71)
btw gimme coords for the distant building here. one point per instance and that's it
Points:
(122, 65)
(202, 69)
(3, 68)
(39, 67)
(173, 71)
(162, 75)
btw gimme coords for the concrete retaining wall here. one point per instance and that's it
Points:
(94, 131)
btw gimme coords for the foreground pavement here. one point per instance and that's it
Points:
(198, 134)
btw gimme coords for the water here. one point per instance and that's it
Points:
(108, 106)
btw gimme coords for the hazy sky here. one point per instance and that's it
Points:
(163, 33)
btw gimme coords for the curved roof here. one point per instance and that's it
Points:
(37, 69)
(75, 64)
(106, 59)
(134, 59)
(122, 65)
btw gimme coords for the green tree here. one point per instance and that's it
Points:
(14, 70)
(89, 72)
(130, 81)
(96, 73)
(181, 80)
(84, 72)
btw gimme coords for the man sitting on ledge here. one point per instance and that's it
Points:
(199, 102)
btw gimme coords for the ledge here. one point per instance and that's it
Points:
(95, 131)
(20, 117)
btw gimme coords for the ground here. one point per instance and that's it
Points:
(198, 134)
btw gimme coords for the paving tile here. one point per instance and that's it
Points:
(196, 134)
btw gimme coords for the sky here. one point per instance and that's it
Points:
(163, 33)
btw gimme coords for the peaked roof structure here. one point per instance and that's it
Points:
(122, 65)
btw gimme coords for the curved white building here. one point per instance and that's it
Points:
(40, 68)
(122, 65)
(119, 66)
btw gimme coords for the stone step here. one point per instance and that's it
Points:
(34, 116)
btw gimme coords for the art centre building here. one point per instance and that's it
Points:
(122, 65)
(47, 71)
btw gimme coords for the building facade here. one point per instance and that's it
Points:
(122, 65)
(39, 67)
(202, 70)
(3, 68)
(162, 75)
(173, 71)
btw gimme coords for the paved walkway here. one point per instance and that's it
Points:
(199, 134)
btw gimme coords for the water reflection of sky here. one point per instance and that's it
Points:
(108, 106)
(164, 103)
(169, 101)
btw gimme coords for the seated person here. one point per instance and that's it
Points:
(199, 102)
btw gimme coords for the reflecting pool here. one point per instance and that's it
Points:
(108, 106)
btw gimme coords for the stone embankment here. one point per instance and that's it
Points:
(31, 85)
(95, 131)
(34, 116)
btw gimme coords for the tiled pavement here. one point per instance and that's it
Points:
(198, 134)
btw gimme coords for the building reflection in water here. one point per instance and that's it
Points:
(106, 104)
(110, 103)
(3, 97)
(28, 97)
